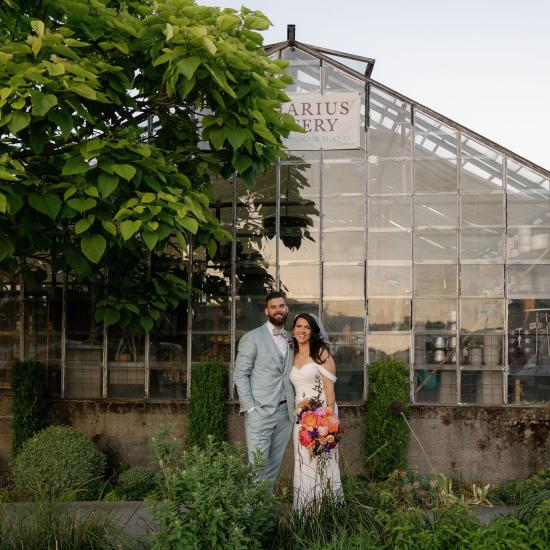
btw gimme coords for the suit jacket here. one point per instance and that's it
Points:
(261, 373)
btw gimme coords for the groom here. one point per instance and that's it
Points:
(261, 375)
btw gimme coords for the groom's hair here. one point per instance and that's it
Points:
(274, 294)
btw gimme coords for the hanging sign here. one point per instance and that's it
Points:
(330, 121)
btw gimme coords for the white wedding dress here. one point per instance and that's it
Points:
(312, 482)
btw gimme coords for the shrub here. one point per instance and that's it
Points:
(47, 527)
(135, 484)
(207, 498)
(29, 402)
(386, 430)
(454, 527)
(207, 407)
(59, 463)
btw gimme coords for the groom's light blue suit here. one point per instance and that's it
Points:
(262, 378)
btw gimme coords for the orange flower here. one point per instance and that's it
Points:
(332, 423)
(309, 419)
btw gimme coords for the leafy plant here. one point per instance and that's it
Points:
(134, 484)
(48, 527)
(103, 112)
(387, 433)
(29, 402)
(207, 404)
(207, 498)
(59, 463)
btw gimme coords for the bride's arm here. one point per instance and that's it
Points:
(328, 384)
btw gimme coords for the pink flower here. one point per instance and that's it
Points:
(305, 438)
(321, 412)
(309, 420)
(322, 430)
(331, 422)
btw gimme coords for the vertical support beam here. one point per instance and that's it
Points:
(147, 354)
(190, 305)
(321, 234)
(412, 354)
(63, 332)
(277, 224)
(21, 319)
(233, 286)
(506, 373)
(104, 361)
(366, 248)
(458, 272)
(291, 34)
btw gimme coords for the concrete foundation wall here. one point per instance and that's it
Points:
(490, 444)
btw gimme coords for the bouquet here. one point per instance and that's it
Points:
(320, 429)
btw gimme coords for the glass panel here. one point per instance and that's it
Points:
(435, 386)
(84, 344)
(435, 314)
(344, 212)
(389, 314)
(382, 346)
(389, 246)
(435, 280)
(482, 243)
(212, 310)
(482, 280)
(253, 280)
(435, 176)
(300, 282)
(299, 245)
(10, 328)
(126, 367)
(339, 80)
(389, 281)
(435, 245)
(249, 312)
(167, 355)
(344, 246)
(344, 316)
(433, 138)
(481, 387)
(343, 281)
(482, 210)
(304, 69)
(342, 176)
(520, 179)
(478, 315)
(298, 181)
(43, 332)
(349, 354)
(431, 211)
(436, 350)
(528, 243)
(211, 346)
(390, 212)
(9, 355)
(529, 209)
(389, 176)
(481, 176)
(390, 126)
(531, 384)
(481, 350)
(529, 280)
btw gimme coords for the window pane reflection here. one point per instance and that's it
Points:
(300, 281)
(431, 211)
(435, 176)
(344, 177)
(389, 314)
(344, 246)
(389, 246)
(531, 281)
(433, 138)
(344, 317)
(478, 315)
(482, 243)
(435, 280)
(383, 346)
(436, 245)
(482, 280)
(433, 314)
(389, 281)
(343, 281)
(482, 210)
(528, 243)
(390, 212)
(389, 176)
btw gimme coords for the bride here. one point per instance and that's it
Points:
(313, 363)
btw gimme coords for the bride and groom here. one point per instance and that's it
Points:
(272, 377)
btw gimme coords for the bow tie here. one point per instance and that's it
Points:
(280, 332)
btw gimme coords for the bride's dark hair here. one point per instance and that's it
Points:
(316, 344)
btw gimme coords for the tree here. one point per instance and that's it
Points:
(105, 110)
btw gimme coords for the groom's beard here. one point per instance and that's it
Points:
(278, 321)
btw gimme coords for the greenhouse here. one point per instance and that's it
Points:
(409, 234)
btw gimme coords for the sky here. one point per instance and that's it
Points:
(483, 63)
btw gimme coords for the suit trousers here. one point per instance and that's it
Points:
(269, 435)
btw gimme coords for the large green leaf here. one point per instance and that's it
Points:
(75, 165)
(126, 171)
(7, 248)
(150, 239)
(42, 103)
(49, 204)
(107, 183)
(188, 65)
(63, 120)
(190, 224)
(128, 228)
(81, 205)
(83, 225)
(236, 136)
(19, 121)
(76, 261)
(93, 247)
